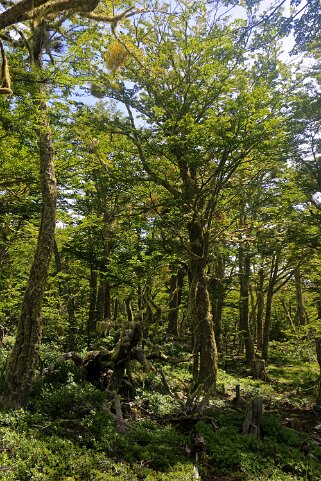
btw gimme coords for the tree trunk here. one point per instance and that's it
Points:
(115, 309)
(176, 285)
(299, 298)
(204, 345)
(103, 308)
(107, 305)
(318, 351)
(217, 296)
(258, 369)
(21, 365)
(100, 305)
(268, 308)
(260, 309)
(244, 274)
(91, 322)
(129, 310)
(288, 314)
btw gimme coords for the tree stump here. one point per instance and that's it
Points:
(238, 401)
(258, 369)
(252, 422)
(237, 393)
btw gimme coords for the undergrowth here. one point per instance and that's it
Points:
(67, 432)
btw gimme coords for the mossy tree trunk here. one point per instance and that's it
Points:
(21, 366)
(20, 369)
(204, 346)
(26, 9)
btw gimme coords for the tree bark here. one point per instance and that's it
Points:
(91, 322)
(103, 307)
(252, 422)
(260, 309)
(26, 9)
(204, 346)
(176, 285)
(258, 369)
(288, 314)
(21, 365)
(244, 275)
(217, 296)
(129, 310)
(268, 308)
(299, 298)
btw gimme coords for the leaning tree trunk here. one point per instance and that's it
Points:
(204, 346)
(21, 365)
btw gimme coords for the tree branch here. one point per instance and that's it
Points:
(113, 19)
(30, 9)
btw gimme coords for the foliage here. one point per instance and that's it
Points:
(180, 115)
(278, 451)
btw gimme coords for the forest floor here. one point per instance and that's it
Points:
(68, 432)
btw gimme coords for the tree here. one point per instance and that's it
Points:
(21, 365)
(205, 113)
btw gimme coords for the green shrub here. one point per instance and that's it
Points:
(157, 447)
(271, 426)
(70, 400)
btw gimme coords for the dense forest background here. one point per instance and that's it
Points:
(160, 270)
